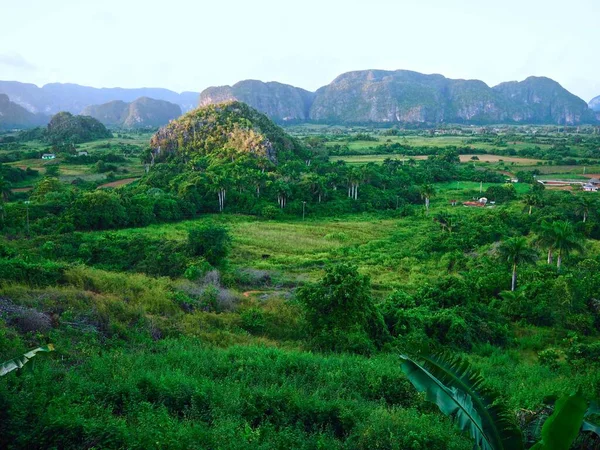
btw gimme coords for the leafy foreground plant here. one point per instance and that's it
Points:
(459, 391)
(17, 363)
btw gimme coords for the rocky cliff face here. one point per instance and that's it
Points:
(381, 96)
(595, 104)
(403, 96)
(281, 102)
(13, 115)
(141, 113)
(55, 97)
(542, 100)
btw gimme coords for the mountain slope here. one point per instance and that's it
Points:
(221, 130)
(281, 102)
(56, 97)
(595, 104)
(13, 115)
(142, 112)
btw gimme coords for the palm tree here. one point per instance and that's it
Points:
(5, 191)
(546, 238)
(565, 240)
(516, 251)
(531, 200)
(427, 191)
(584, 204)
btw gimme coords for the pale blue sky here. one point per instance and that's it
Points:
(190, 45)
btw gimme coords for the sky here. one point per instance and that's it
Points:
(187, 45)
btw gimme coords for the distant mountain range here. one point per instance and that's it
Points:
(360, 97)
(142, 112)
(56, 97)
(402, 96)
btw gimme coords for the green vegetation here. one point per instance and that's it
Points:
(249, 292)
(65, 128)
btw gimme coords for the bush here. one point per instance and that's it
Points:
(340, 313)
(209, 241)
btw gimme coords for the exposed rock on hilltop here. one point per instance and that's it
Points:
(141, 113)
(64, 127)
(595, 104)
(382, 96)
(15, 116)
(281, 102)
(225, 128)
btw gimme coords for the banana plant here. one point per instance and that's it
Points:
(562, 428)
(458, 391)
(17, 363)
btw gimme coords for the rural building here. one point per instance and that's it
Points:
(589, 187)
(48, 156)
(82, 153)
(479, 203)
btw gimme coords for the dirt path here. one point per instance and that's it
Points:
(22, 189)
(114, 184)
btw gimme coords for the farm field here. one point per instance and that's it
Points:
(482, 159)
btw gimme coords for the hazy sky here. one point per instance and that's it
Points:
(190, 45)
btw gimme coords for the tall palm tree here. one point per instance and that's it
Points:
(546, 238)
(5, 189)
(583, 207)
(566, 240)
(427, 191)
(531, 200)
(516, 251)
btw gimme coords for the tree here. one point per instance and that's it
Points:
(565, 240)
(583, 207)
(54, 169)
(532, 200)
(340, 312)
(209, 241)
(427, 191)
(545, 239)
(5, 191)
(516, 251)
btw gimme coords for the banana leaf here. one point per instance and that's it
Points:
(459, 392)
(17, 363)
(562, 427)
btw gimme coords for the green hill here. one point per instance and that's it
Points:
(225, 127)
(64, 127)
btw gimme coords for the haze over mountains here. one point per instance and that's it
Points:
(360, 97)
(55, 97)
